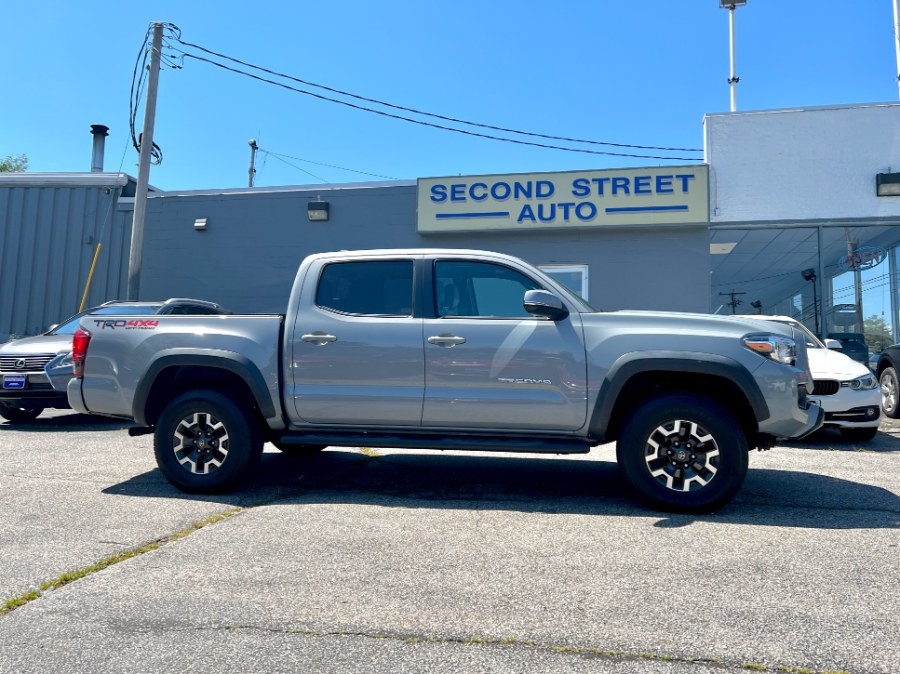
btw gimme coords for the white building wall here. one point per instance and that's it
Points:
(804, 164)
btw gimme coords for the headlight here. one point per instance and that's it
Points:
(778, 348)
(865, 383)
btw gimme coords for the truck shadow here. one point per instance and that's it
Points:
(533, 485)
(66, 421)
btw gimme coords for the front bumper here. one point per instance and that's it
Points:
(792, 414)
(851, 409)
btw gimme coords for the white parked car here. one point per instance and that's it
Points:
(846, 389)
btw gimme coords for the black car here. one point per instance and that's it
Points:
(886, 369)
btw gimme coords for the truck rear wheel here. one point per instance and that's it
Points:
(683, 453)
(205, 443)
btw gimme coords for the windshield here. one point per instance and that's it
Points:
(812, 342)
(71, 325)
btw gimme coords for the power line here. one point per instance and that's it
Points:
(309, 161)
(185, 54)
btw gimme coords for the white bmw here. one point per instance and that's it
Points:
(846, 389)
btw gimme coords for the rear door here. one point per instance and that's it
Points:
(357, 354)
(491, 364)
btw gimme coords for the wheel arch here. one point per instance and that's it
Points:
(634, 377)
(171, 374)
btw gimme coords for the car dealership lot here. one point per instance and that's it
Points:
(383, 561)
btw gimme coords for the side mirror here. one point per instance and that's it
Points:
(545, 303)
(833, 344)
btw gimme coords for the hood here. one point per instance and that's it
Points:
(830, 364)
(41, 344)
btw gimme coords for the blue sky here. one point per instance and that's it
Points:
(636, 72)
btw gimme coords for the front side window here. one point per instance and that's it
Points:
(371, 288)
(480, 289)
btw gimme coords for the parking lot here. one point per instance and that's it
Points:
(388, 561)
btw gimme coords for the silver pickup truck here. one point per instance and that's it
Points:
(450, 349)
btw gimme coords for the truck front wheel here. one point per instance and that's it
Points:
(205, 443)
(683, 453)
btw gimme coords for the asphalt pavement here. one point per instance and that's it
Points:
(358, 560)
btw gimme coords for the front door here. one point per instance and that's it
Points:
(491, 364)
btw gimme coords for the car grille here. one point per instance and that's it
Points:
(32, 363)
(826, 387)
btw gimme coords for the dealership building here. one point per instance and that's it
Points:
(791, 212)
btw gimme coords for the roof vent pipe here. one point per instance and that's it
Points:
(100, 132)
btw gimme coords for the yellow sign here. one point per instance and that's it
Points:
(616, 197)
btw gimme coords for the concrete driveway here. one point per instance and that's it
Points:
(396, 561)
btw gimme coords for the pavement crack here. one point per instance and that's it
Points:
(20, 600)
(564, 649)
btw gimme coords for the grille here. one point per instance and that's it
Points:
(32, 363)
(826, 387)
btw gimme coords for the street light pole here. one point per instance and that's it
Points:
(897, 38)
(733, 79)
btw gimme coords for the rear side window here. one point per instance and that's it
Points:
(371, 288)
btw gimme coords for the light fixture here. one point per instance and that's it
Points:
(887, 184)
(317, 210)
(200, 224)
(731, 4)
(757, 304)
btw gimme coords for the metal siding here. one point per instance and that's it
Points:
(247, 257)
(45, 255)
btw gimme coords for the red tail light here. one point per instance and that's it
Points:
(79, 351)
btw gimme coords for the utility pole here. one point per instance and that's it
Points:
(252, 172)
(143, 177)
(735, 302)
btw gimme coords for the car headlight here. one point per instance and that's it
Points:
(777, 347)
(865, 383)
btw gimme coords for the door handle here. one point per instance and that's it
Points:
(446, 340)
(318, 338)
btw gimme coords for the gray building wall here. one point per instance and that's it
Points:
(50, 225)
(248, 255)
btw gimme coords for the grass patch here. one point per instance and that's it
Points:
(71, 576)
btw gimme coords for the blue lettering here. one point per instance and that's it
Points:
(478, 197)
(620, 184)
(501, 191)
(457, 192)
(565, 209)
(586, 210)
(545, 189)
(642, 185)
(599, 183)
(526, 214)
(664, 185)
(581, 187)
(521, 190)
(684, 178)
(551, 216)
(438, 193)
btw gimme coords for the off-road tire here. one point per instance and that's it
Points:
(205, 442)
(683, 453)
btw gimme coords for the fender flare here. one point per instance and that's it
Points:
(229, 361)
(630, 364)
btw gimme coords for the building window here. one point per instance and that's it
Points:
(572, 276)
